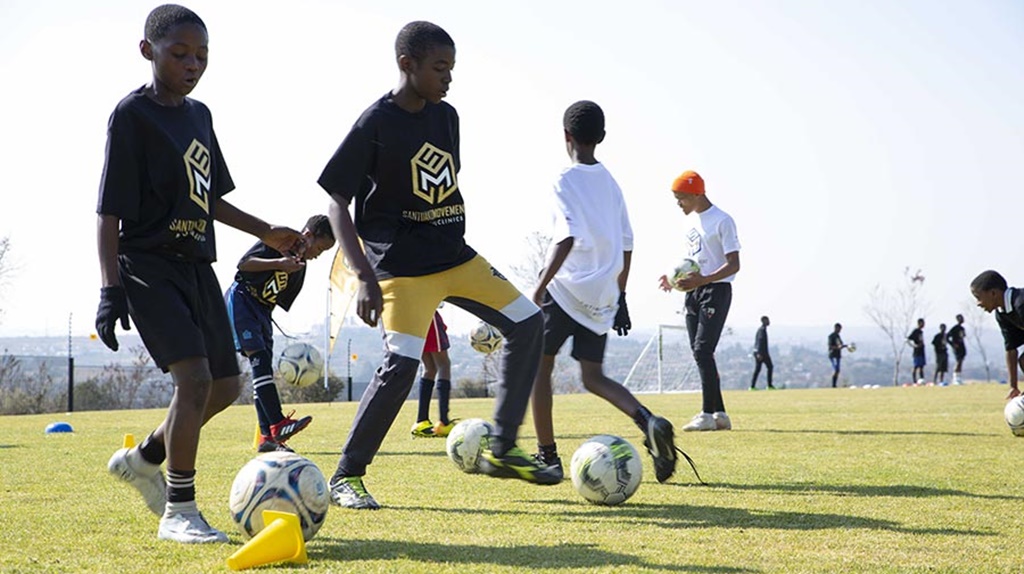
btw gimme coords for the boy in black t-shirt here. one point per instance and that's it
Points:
(916, 340)
(835, 351)
(941, 356)
(162, 188)
(956, 338)
(399, 163)
(992, 293)
(266, 279)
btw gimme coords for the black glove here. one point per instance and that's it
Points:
(113, 306)
(621, 323)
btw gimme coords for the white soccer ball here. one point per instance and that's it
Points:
(1014, 415)
(485, 338)
(683, 270)
(851, 347)
(465, 441)
(606, 470)
(282, 481)
(300, 364)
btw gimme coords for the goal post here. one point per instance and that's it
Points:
(665, 364)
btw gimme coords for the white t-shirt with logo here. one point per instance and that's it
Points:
(708, 237)
(589, 207)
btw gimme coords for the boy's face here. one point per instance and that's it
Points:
(687, 201)
(318, 246)
(431, 76)
(988, 300)
(179, 58)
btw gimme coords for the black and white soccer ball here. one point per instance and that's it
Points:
(606, 469)
(485, 339)
(300, 364)
(281, 481)
(1013, 412)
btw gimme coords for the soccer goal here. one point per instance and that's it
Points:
(665, 365)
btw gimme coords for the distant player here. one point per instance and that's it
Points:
(992, 294)
(582, 288)
(916, 340)
(710, 236)
(437, 366)
(941, 356)
(266, 279)
(162, 188)
(957, 338)
(761, 356)
(400, 164)
(835, 351)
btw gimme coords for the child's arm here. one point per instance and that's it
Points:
(369, 301)
(113, 302)
(283, 239)
(561, 251)
(731, 267)
(1011, 372)
(286, 263)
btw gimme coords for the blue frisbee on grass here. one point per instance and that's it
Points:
(58, 427)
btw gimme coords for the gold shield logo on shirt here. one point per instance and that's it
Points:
(197, 167)
(273, 287)
(433, 174)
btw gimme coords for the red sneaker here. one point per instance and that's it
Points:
(288, 427)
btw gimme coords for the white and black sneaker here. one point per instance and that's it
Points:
(129, 466)
(349, 492)
(188, 527)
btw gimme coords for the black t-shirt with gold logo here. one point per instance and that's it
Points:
(270, 287)
(401, 168)
(162, 175)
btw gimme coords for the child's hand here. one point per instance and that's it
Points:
(290, 264)
(369, 302)
(1013, 393)
(663, 283)
(283, 239)
(690, 282)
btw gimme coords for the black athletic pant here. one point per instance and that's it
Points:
(706, 310)
(762, 359)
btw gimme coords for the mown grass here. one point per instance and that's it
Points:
(819, 480)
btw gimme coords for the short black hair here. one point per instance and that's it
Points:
(320, 226)
(167, 16)
(837, 326)
(942, 326)
(584, 121)
(764, 318)
(417, 38)
(988, 280)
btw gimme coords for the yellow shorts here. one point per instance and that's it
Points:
(410, 302)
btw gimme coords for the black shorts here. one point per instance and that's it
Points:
(558, 326)
(941, 362)
(179, 311)
(959, 353)
(251, 327)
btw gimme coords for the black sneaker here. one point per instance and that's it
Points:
(517, 464)
(268, 444)
(554, 463)
(660, 443)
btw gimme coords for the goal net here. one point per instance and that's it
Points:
(665, 365)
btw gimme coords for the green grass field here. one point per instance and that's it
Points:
(822, 480)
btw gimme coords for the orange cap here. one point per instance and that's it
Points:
(688, 182)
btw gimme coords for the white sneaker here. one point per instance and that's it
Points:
(722, 421)
(188, 527)
(129, 466)
(701, 422)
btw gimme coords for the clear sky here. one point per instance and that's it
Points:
(847, 139)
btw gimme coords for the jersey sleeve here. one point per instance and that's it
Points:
(224, 184)
(351, 167)
(121, 184)
(730, 239)
(561, 214)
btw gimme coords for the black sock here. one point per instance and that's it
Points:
(444, 393)
(152, 451)
(265, 390)
(426, 390)
(642, 418)
(548, 453)
(181, 485)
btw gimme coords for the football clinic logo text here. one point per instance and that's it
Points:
(693, 242)
(197, 168)
(274, 286)
(433, 174)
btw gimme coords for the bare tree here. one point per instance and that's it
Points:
(975, 320)
(534, 259)
(894, 312)
(5, 264)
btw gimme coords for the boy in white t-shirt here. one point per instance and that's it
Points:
(582, 287)
(711, 240)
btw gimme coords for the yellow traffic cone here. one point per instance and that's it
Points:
(129, 440)
(279, 541)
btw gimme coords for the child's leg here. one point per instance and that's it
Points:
(265, 397)
(541, 403)
(426, 386)
(444, 385)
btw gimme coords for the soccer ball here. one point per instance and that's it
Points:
(465, 441)
(683, 270)
(282, 481)
(606, 470)
(300, 364)
(485, 338)
(1014, 415)
(851, 347)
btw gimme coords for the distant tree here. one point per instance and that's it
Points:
(895, 311)
(975, 318)
(5, 264)
(535, 257)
